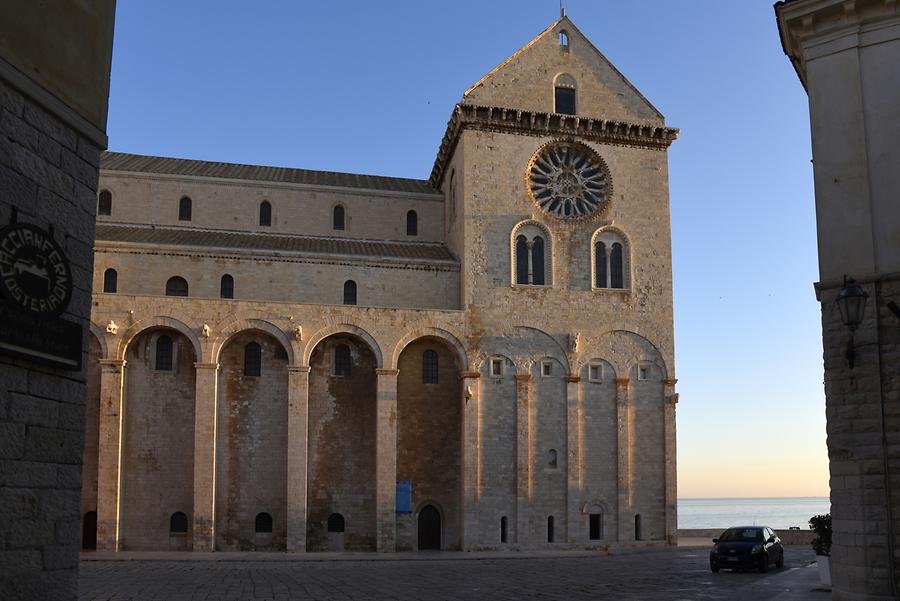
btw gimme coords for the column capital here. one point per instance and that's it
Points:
(299, 369)
(214, 366)
(523, 377)
(623, 381)
(470, 374)
(387, 372)
(573, 379)
(112, 364)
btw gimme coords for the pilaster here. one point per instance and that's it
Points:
(624, 459)
(109, 460)
(204, 526)
(524, 457)
(386, 461)
(298, 432)
(574, 461)
(471, 458)
(670, 399)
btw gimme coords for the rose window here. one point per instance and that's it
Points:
(569, 180)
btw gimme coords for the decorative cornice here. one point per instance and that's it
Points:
(533, 123)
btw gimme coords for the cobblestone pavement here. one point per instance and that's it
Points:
(664, 574)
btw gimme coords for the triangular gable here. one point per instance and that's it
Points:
(525, 80)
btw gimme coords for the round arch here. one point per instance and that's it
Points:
(611, 234)
(625, 356)
(430, 332)
(548, 249)
(159, 321)
(233, 328)
(343, 328)
(100, 335)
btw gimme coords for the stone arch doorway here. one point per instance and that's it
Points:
(429, 529)
(429, 434)
(341, 444)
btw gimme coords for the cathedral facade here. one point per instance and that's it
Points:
(294, 360)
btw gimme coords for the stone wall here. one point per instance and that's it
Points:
(48, 173)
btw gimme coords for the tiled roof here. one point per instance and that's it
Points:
(272, 242)
(119, 161)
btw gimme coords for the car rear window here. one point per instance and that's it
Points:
(742, 534)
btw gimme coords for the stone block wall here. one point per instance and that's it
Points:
(48, 173)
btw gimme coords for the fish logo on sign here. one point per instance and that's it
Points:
(34, 272)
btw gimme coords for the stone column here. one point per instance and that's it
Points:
(205, 392)
(470, 458)
(623, 459)
(109, 460)
(574, 461)
(298, 432)
(524, 457)
(670, 399)
(386, 461)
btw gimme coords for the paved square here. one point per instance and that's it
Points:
(665, 574)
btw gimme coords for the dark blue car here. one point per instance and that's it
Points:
(746, 547)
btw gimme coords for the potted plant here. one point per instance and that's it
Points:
(821, 544)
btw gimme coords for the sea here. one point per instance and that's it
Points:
(775, 512)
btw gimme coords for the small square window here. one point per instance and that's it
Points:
(496, 368)
(546, 369)
(643, 373)
(595, 373)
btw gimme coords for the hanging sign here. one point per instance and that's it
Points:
(35, 288)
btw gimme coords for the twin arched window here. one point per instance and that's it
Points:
(184, 209)
(429, 367)
(265, 214)
(110, 281)
(611, 261)
(532, 256)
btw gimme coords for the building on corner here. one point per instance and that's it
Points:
(296, 360)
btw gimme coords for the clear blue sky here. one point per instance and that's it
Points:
(367, 87)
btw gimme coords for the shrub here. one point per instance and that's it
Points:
(821, 525)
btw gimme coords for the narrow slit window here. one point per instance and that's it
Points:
(503, 530)
(521, 260)
(110, 281)
(252, 359)
(226, 286)
(164, 353)
(600, 267)
(550, 533)
(616, 267)
(265, 214)
(104, 203)
(342, 360)
(349, 292)
(551, 459)
(537, 261)
(496, 367)
(184, 209)
(429, 367)
(337, 221)
(412, 223)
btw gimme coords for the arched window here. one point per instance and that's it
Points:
(564, 38)
(342, 360)
(178, 523)
(110, 281)
(503, 530)
(104, 203)
(412, 223)
(226, 287)
(550, 532)
(564, 94)
(335, 522)
(349, 292)
(537, 261)
(616, 267)
(600, 265)
(521, 260)
(610, 258)
(265, 213)
(337, 218)
(164, 353)
(429, 367)
(263, 523)
(531, 254)
(252, 359)
(551, 459)
(184, 209)
(176, 286)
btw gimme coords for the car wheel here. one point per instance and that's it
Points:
(763, 563)
(780, 563)
(714, 567)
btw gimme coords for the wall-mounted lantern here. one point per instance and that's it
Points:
(851, 302)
